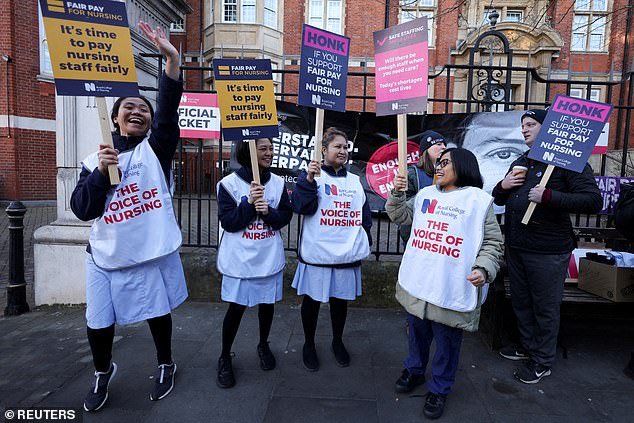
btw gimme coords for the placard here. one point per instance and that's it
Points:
(90, 48)
(570, 130)
(246, 98)
(323, 70)
(199, 116)
(401, 67)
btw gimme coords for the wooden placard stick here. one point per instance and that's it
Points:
(319, 134)
(106, 135)
(253, 152)
(532, 205)
(401, 121)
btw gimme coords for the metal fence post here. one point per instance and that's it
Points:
(16, 289)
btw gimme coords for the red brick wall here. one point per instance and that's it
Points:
(27, 158)
(191, 44)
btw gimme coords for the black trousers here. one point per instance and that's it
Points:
(537, 285)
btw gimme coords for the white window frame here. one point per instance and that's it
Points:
(581, 92)
(412, 9)
(321, 15)
(225, 5)
(46, 67)
(270, 13)
(178, 26)
(519, 12)
(250, 6)
(589, 26)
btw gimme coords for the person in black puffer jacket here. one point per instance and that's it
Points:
(537, 254)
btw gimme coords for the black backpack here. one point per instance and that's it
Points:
(624, 211)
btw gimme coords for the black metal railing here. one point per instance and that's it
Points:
(198, 166)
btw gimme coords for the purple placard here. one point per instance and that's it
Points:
(569, 132)
(610, 187)
(323, 71)
(401, 68)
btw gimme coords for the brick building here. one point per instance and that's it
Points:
(579, 40)
(32, 166)
(574, 40)
(27, 108)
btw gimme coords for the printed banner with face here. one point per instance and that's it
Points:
(400, 54)
(569, 132)
(199, 116)
(610, 187)
(323, 70)
(246, 97)
(90, 48)
(494, 138)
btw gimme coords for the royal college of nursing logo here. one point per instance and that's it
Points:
(429, 206)
(331, 189)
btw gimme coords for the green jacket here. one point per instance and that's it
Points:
(412, 190)
(488, 259)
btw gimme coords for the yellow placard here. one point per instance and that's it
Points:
(89, 51)
(246, 102)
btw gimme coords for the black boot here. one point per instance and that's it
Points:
(225, 377)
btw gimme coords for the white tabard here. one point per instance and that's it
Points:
(447, 233)
(334, 235)
(138, 223)
(256, 251)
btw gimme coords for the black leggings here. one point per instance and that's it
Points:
(310, 315)
(100, 341)
(232, 322)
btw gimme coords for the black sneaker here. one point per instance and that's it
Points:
(98, 395)
(434, 405)
(309, 356)
(514, 352)
(225, 378)
(164, 382)
(267, 359)
(531, 373)
(407, 382)
(341, 354)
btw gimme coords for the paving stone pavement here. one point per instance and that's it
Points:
(45, 362)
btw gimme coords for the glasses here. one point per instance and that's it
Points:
(442, 163)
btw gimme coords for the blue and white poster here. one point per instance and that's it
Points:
(569, 132)
(323, 72)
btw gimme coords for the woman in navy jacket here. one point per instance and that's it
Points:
(133, 268)
(251, 250)
(335, 238)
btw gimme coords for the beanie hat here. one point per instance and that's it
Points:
(537, 114)
(429, 138)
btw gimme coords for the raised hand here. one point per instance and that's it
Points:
(159, 39)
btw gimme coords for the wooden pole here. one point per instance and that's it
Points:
(319, 134)
(532, 205)
(401, 121)
(255, 168)
(106, 135)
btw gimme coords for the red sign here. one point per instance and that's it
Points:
(383, 166)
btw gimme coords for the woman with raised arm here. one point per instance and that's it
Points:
(133, 267)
